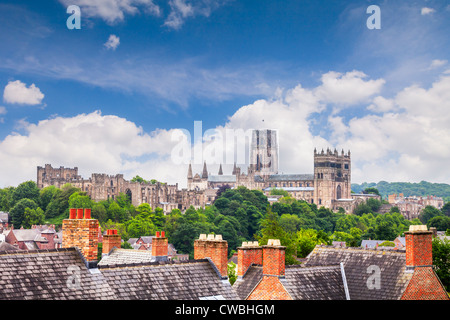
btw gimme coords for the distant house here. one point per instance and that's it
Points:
(38, 237)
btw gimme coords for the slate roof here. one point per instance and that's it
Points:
(361, 265)
(44, 274)
(61, 274)
(314, 283)
(290, 177)
(302, 283)
(222, 178)
(251, 278)
(122, 256)
(184, 280)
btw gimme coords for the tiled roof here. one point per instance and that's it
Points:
(314, 283)
(48, 274)
(222, 178)
(362, 265)
(122, 256)
(62, 274)
(186, 280)
(245, 286)
(302, 283)
(290, 177)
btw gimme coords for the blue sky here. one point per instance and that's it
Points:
(310, 69)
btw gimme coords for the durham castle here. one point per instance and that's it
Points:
(328, 186)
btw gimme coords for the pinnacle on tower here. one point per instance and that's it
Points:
(205, 171)
(234, 169)
(189, 175)
(220, 170)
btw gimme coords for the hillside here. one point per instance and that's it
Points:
(422, 188)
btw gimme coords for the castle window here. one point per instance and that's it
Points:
(346, 166)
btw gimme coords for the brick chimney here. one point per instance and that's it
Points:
(273, 258)
(110, 240)
(249, 253)
(82, 232)
(418, 246)
(160, 246)
(215, 248)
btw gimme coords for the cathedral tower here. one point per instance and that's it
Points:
(332, 177)
(264, 152)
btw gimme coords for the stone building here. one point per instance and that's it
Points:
(329, 185)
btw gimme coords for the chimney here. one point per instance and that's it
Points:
(160, 246)
(273, 258)
(110, 240)
(249, 253)
(215, 248)
(418, 246)
(81, 232)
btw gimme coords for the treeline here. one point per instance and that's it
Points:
(238, 214)
(422, 188)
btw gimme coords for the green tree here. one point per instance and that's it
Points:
(441, 260)
(33, 217)
(80, 200)
(279, 192)
(26, 190)
(428, 213)
(59, 205)
(271, 229)
(371, 190)
(446, 209)
(290, 222)
(441, 223)
(18, 211)
(231, 271)
(307, 239)
(99, 212)
(46, 195)
(6, 199)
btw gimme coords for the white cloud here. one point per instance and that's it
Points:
(347, 89)
(426, 10)
(180, 10)
(92, 142)
(437, 63)
(112, 43)
(2, 110)
(382, 105)
(113, 11)
(16, 92)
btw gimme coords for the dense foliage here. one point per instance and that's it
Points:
(422, 188)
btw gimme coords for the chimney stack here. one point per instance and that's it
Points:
(215, 248)
(249, 253)
(273, 258)
(81, 232)
(110, 240)
(418, 246)
(160, 246)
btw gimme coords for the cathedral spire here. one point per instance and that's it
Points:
(205, 171)
(234, 169)
(220, 170)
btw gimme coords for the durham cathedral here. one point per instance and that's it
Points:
(328, 186)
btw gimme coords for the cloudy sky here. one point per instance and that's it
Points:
(122, 93)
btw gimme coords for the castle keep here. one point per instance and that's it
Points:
(328, 186)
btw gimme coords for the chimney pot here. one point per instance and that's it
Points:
(202, 236)
(79, 213)
(210, 237)
(157, 234)
(73, 213)
(218, 237)
(87, 213)
(163, 234)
